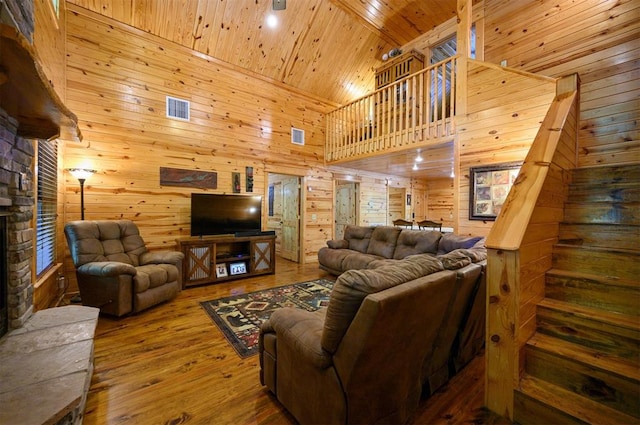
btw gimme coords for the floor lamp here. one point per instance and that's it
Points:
(82, 174)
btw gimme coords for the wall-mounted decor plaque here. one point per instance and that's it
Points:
(188, 178)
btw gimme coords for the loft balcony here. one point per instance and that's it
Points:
(415, 111)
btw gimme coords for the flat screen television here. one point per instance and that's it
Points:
(216, 214)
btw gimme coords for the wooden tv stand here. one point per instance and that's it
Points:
(212, 259)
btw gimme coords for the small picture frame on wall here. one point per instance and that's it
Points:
(249, 178)
(488, 189)
(235, 182)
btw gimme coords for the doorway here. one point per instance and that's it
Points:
(283, 215)
(397, 204)
(347, 206)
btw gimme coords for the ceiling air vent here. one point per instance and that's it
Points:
(297, 136)
(177, 108)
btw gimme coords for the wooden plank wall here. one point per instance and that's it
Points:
(505, 109)
(440, 201)
(117, 80)
(597, 39)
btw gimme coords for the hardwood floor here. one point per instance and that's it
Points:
(171, 365)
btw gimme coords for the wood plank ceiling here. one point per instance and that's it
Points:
(326, 48)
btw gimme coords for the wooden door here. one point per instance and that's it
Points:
(290, 244)
(397, 204)
(419, 206)
(346, 206)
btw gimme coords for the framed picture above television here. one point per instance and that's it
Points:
(489, 187)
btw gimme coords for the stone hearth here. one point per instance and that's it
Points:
(46, 367)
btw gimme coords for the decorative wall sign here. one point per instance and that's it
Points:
(188, 178)
(249, 178)
(489, 187)
(235, 182)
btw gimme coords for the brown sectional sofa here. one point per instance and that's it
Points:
(401, 320)
(364, 247)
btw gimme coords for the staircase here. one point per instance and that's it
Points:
(583, 363)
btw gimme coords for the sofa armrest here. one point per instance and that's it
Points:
(338, 244)
(106, 268)
(302, 331)
(161, 257)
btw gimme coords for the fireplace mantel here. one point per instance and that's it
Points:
(27, 95)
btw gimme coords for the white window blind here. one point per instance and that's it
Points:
(47, 175)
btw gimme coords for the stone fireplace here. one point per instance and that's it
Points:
(16, 208)
(4, 314)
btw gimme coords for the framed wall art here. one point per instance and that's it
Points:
(221, 270)
(489, 187)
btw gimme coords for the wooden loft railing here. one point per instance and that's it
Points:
(520, 245)
(410, 111)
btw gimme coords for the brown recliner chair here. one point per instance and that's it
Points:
(360, 360)
(116, 272)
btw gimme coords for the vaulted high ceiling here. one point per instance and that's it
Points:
(329, 48)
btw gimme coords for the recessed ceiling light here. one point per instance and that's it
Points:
(272, 21)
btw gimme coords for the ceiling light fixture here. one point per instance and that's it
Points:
(418, 157)
(415, 167)
(272, 21)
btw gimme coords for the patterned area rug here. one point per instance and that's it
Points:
(239, 317)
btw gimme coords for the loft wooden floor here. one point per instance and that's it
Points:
(171, 365)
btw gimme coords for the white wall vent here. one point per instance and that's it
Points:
(178, 108)
(297, 136)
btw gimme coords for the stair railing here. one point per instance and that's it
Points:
(410, 111)
(520, 243)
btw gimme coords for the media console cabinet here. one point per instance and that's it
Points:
(211, 259)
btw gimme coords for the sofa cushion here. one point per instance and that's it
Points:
(412, 242)
(475, 254)
(338, 244)
(353, 286)
(383, 241)
(358, 237)
(358, 261)
(333, 258)
(450, 242)
(454, 260)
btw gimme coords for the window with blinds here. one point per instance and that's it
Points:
(47, 174)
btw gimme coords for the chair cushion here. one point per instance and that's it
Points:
(104, 240)
(412, 242)
(383, 241)
(154, 275)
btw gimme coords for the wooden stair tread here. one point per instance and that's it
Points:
(571, 403)
(609, 280)
(585, 355)
(618, 319)
(599, 249)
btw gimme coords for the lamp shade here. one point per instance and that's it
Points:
(81, 173)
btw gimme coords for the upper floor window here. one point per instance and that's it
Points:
(46, 205)
(55, 4)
